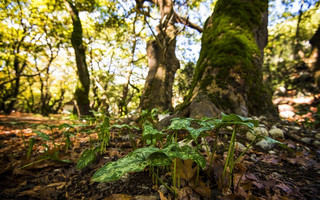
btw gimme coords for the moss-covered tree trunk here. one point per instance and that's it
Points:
(83, 85)
(228, 76)
(162, 62)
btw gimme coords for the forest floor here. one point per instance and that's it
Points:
(275, 174)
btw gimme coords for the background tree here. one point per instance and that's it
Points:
(82, 90)
(287, 65)
(228, 76)
(162, 60)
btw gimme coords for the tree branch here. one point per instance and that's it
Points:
(186, 22)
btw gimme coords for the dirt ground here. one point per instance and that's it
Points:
(275, 174)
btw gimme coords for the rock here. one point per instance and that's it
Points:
(296, 128)
(264, 144)
(163, 189)
(306, 140)
(317, 136)
(261, 131)
(257, 131)
(240, 147)
(262, 125)
(272, 152)
(276, 132)
(316, 143)
(250, 136)
(253, 157)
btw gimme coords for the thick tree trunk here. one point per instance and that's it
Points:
(83, 85)
(163, 65)
(162, 62)
(315, 56)
(228, 76)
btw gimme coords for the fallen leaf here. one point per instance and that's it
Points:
(60, 185)
(162, 197)
(120, 197)
(284, 188)
(203, 190)
(186, 170)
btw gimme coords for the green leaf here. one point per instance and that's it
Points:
(65, 125)
(150, 133)
(159, 159)
(135, 161)
(273, 141)
(42, 135)
(86, 158)
(238, 118)
(180, 123)
(195, 133)
(32, 142)
(125, 126)
(185, 152)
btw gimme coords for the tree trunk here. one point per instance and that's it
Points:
(315, 56)
(228, 75)
(162, 62)
(83, 85)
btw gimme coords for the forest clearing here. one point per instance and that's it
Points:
(160, 99)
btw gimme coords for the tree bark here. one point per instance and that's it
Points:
(228, 75)
(83, 85)
(162, 62)
(315, 56)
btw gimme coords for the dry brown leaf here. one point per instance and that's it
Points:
(185, 193)
(203, 190)
(186, 170)
(162, 197)
(120, 197)
(59, 184)
(284, 188)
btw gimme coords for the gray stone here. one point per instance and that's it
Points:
(240, 147)
(316, 143)
(317, 136)
(276, 132)
(250, 136)
(163, 189)
(258, 131)
(261, 131)
(297, 128)
(263, 144)
(306, 140)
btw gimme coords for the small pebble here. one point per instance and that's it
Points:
(264, 144)
(240, 147)
(163, 189)
(296, 128)
(316, 143)
(276, 133)
(306, 140)
(317, 136)
(272, 152)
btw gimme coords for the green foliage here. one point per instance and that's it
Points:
(32, 142)
(139, 159)
(87, 157)
(150, 134)
(104, 134)
(283, 65)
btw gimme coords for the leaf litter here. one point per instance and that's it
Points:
(281, 174)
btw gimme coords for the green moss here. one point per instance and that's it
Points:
(229, 51)
(229, 38)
